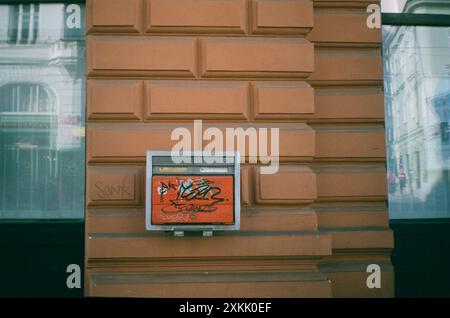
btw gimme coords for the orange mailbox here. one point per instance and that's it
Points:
(192, 192)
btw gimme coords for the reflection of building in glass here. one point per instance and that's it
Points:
(41, 113)
(417, 90)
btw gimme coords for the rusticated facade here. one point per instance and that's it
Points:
(311, 68)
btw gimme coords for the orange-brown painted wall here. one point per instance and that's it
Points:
(311, 68)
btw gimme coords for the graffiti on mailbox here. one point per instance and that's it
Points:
(192, 199)
(192, 195)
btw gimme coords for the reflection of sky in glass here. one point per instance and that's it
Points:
(392, 6)
(51, 16)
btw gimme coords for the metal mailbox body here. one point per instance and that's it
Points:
(196, 196)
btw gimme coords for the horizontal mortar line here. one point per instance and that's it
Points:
(211, 118)
(252, 211)
(140, 160)
(332, 163)
(119, 164)
(346, 121)
(359, 51)
(198, 272)
(381, 199)
(200, 35)
(206, 80)
(355, 160)
(347, 45)
(354, 267)
(176, 120)
(215, 260)
(280, 208)
(109, 38)
(300, 125)
(245, 210)
(148, 126)
(217, 117)
(140, 164)
(235, 264)
(356, 129)
(351, 208)
(188, 73)
(342, 4)
(210, 278)
(347, 199)
(368, 164)
(304, 120)
(136, 279)
(333, 84)
(319, 83)
(347, 90)
(135, 37)
(351, 253)
(351, 123)
(224, 281)
(354, 229)
(152, 234)
(343, 11)
(173, 78)
(318, 125)
(345, 83)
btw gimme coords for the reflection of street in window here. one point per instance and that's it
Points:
(417, 101)
(40, 109)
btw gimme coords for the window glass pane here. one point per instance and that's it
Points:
(415, 6)
(42, 111)
(417, 101)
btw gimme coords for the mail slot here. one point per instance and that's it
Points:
(192, 192)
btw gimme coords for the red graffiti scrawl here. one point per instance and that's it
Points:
(192, 199)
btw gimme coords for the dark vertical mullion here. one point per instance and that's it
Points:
(13, 23)
(25, 30)
(35, 23)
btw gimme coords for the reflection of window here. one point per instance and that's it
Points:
(42, 154)
(23, 23)
(25, 97)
